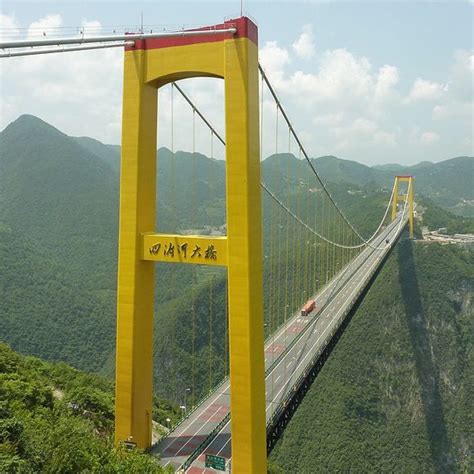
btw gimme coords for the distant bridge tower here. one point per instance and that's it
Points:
(407, 196)
(149, 65)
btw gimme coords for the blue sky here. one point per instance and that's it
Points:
(371, 81)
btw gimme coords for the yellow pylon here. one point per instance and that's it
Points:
(149, 65)
(397, 197)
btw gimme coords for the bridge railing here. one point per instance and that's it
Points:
(295, 387)
(191, 412)
(210, 437)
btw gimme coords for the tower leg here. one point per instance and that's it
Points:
(395, 199)
(411, 216)
(247, 373)
(133, 400)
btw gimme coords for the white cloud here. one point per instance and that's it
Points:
(304, 46)
(429, 138)
(339, 101)
(8, 27)
(385, 139)
(91, 28)
(329, 119)
(387, 79)
(362, 126)
(79, 92)
(363, 135)
(274, 59)
(454, 109)
(341, 76)
(461, 76)
(92, 24)
(440, 111)
(345, 95)
(425, 90)
(458, 101)
(44, 26)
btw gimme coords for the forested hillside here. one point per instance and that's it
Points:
(434, 217)
(396, 395)
(448, 183)
(47, 311)
(57, 419)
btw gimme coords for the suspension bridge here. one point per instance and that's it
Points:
(295, 267)
(334, 271)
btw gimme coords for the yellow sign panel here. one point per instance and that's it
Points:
(185, 249)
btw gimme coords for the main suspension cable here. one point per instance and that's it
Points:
(295, 136)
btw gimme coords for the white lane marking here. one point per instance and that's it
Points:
(225, 444)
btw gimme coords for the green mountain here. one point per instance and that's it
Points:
(56, 192)
(396, 395)
(109, 153)
(59, 196)
(58, 225)
(388, 167)
(57, 419)
(58, 240)
(47, 311)
(58, 243)
(191, 190)
(448, 183)
(334, 169)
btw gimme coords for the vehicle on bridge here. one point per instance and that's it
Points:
(308, 307)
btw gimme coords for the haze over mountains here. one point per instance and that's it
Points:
(449, 183)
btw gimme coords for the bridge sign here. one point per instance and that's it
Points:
(216, 462)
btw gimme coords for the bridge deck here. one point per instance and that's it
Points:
(288, 356)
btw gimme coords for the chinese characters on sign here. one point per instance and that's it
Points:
(181, 250)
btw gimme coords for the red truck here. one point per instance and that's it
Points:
(308, 307)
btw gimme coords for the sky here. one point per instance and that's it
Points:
(374, 82)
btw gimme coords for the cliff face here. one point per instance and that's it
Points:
(396, 394)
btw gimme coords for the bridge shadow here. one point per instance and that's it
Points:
(426, 369)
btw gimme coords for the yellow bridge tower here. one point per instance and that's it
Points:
(408, 195)
(149, 65)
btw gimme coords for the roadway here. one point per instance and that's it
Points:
(288, 356)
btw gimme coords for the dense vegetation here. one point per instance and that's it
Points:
(447, 184)
(397, 394)
(435, 218)
(46, 311)
(57, 419)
